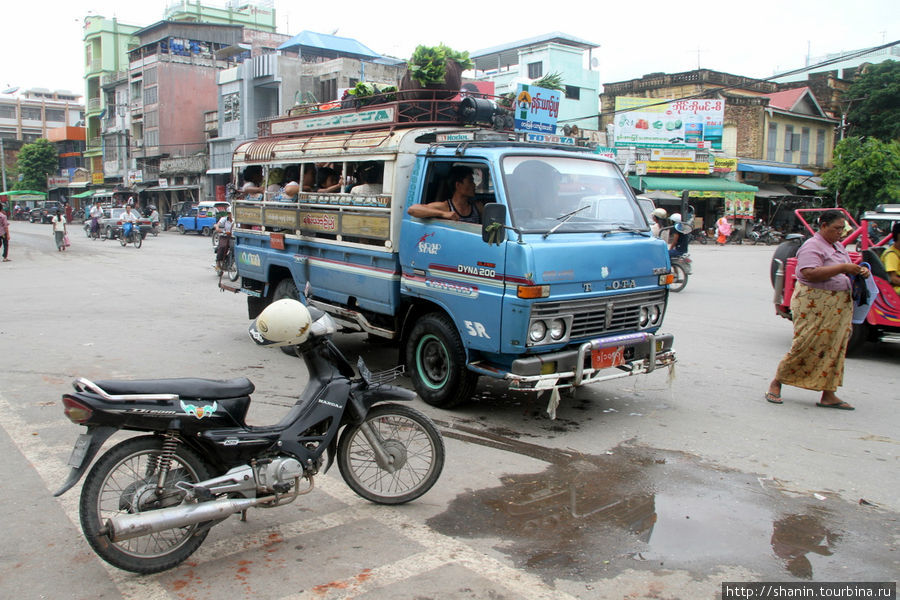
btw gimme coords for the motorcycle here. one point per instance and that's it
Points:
(149, 502)
(681, 269)
(131, 233)
(763, 234)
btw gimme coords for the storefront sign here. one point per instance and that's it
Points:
(536, 109)
(336, 121)
(676, 167)
(725, 165)
(55, 182)
(97, 178)
(605, 151)
(676, 154)
(655, 123)
(135, 176)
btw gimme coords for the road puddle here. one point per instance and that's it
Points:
(587, 516)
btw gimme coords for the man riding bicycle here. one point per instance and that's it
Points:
(129, 218)
(223, 228)
(96, 214)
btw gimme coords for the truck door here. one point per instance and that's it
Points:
(447, 262)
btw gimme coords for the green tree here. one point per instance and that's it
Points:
(874, 102)
(865, 173)
(36, 161)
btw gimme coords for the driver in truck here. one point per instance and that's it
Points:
(459, 207)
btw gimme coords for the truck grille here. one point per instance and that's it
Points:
(598, 316)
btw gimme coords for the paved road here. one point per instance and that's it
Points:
(661, 486)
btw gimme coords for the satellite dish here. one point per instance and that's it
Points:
(595, 62)
(11, 90)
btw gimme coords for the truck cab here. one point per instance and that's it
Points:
(557, 283)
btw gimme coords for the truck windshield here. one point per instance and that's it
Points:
(571, 195)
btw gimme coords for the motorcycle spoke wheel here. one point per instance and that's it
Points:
(681, 278)
(138, 240)
(123, 481)
(231, 267)
(413, 444)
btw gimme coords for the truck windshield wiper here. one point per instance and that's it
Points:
(563, 218)
(624, 228)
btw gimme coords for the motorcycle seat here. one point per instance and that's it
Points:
(187, 387)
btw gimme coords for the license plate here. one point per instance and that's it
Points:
(80, 450)
(605, 358)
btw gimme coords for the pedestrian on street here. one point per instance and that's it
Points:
(723, 230)
(4, 234)
(821, 308)
(59, 230)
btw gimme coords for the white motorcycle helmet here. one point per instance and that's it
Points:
(659, 213)
(676, 217)
(285, 322)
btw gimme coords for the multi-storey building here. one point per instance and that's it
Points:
(525, 61)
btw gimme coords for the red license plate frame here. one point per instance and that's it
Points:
(605, 358)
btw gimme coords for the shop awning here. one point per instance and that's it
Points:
(767, 190)
(693, 184)
(813, 184)
(23, 193)
(78, 184)
(772, 169)
(172, 188)
(86, 194)
(219, 171)
(103, 193)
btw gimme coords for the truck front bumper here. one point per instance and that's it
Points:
(574, 367)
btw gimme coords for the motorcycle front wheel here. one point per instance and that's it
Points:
(123, 239)
(681, 278)
(412, 442)
(123, 481)
(137, 239)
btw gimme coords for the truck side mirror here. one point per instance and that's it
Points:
(493, 223)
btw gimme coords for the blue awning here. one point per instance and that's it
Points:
(773, 170)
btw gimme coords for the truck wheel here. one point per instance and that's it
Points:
(205, 231)
(783, 252)
(859, 335)
(437, 362)
(286, 288)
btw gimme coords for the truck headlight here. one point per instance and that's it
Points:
(655, 314)
(644, 318)
(557, 329)
(537, 331)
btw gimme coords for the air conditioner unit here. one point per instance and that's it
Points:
(138, 143)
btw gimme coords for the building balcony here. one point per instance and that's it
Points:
(94, 67)
(137, 106)
(93, 105)
(113, 78)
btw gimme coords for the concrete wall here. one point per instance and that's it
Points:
(185, 93)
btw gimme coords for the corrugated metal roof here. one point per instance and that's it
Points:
(555, 36)
(333, 43)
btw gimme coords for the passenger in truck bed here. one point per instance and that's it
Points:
(459, 207)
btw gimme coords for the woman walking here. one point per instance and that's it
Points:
(821, 308)
(59, 230)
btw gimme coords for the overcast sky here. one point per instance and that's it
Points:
(42, 39)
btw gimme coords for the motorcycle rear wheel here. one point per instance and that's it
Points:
(681, 278)
(231, 266)
(410, 439)
(128, 473)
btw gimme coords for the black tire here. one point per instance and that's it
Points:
(859, 335)
(181, 229)
(138, 239)
(205, 231)
(436, 361)
(783, 252)
(109, 233)
(412, 441)
(215, 239)
(231, 266)
(123, 239)
(681, 278)
(108, 491)
(286, 288)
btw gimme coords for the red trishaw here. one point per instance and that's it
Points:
(883, 321)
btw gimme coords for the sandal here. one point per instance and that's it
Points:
(774, 398)
(838, 405)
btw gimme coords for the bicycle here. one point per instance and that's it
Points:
(228, 265)
(133, 235)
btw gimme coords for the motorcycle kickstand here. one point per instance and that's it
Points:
(381, 457)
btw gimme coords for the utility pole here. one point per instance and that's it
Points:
(3, 162)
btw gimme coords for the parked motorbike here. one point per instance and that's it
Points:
(681, 269)
(149, 502)
(763, 234)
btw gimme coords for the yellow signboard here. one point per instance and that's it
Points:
(97, 178)
(247, 215)
(369, 226)
(725, 165)
(671, 166)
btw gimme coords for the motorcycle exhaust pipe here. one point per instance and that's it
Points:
(125, 527)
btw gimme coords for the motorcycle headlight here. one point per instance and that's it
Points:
(537, 331)
(557, 329)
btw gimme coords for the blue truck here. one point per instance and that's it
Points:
(560, 285)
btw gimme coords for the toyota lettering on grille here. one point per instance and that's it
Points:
(621, 284)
